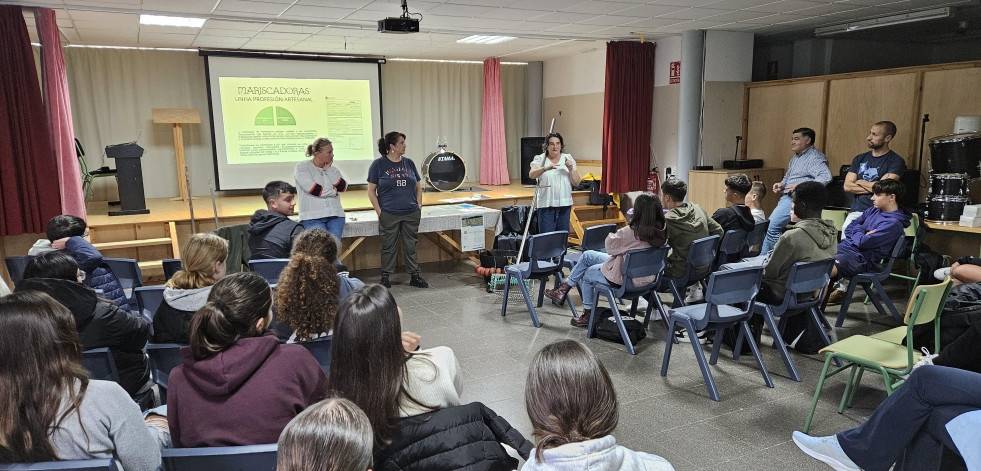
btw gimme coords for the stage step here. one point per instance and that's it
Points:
(578, 223)
(128, 244)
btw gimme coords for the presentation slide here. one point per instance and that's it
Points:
(263, 122)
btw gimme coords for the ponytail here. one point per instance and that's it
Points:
(235, 305)
(389, 140)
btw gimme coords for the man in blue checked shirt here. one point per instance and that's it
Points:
(807, 164)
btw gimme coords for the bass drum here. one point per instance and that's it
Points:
(444, 170)
(956, 153)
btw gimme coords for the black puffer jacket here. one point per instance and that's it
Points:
(734, 217)
(271, 235)
(961, 310)
(172, 320)
(101, 324)
(462, 437)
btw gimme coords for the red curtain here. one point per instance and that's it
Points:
(493, 148)
(58, 105)
(627, 109)
(29, 193)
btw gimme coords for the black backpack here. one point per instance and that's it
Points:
(606, 327)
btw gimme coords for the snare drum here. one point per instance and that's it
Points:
(948, 184)
(956, 153)
(946, 208)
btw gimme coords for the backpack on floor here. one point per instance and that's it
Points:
(606, 327)
(800, 334)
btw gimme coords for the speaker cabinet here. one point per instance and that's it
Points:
(530, 147)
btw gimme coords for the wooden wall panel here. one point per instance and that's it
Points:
(774, 113)
(854, 104)
(948, 94)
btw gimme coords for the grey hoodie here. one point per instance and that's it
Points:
(599, 454)
(809, 240)
(686, 224)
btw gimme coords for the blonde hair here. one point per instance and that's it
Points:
(198, 258)
(758, 189)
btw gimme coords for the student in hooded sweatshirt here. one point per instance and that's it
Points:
(100, 323)
(686, 223)
(203, 260)
(238, 385)
(872, 236)
(737, 216)
(271, 231)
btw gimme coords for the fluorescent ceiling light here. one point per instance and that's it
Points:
(891, 20)
(478, 39)
(179, 21)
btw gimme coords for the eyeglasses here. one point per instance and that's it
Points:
(81, 275)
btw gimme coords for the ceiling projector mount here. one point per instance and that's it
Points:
(403, 24)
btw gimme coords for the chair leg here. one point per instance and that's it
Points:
(622, 328)
(818, 321)
(738, 348)
(884, 299)
(848, 388)
(756, 353)
(817, 393)
(716, 346)
(702, 364)
(541, 292)
(679, 299)
(781, 347)
(843, 310)
(858, 381)
(507, 290)
(666, 358)
(531, 308)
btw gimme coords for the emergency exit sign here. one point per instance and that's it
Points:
(674, 73)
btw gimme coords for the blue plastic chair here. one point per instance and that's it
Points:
(701, 253)
(593, 238)
(545, 258)
(16, 266)
(269, 268)
(724, 288)
(148, 299)
(638, 263)
(221, 458)
(754, 240)
(871, 282)
(101, 464)
(731, 248)
(163, 358)
(320, 349)
(127, 271)
(171, 266)
(100, 364)
(804, 279)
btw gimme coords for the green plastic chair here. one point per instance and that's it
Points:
(883, 353)
(837, 216)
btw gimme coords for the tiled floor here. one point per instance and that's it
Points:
(671, 416)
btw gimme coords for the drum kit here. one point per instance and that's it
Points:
(444, 170)
(955, 164)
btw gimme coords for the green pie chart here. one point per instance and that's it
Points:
(274, 116)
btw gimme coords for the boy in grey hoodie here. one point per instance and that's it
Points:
(686, 223)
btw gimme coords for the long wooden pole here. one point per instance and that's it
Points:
(181, 167)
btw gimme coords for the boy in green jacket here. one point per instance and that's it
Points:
(686, 223)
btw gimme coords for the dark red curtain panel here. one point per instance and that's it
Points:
(629, 103)
(29, 191)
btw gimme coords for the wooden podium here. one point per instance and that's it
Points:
(178, 117)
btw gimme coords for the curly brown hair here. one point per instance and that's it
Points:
(308, 294)
(316, 242)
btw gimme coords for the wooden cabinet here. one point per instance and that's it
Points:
(707, 187)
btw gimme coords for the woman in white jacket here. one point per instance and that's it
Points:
(573, 409)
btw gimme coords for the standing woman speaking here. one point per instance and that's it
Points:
(395, 191)
(557, 173)
(320, 184)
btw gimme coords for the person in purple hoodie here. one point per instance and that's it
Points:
(872, 236)
(238, 385)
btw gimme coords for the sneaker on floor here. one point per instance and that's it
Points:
(826, 450)
(942, 273)
(837, 296)
(682, 336)
(418, 282)
(384, 282)
(926, 359)
(694, 294)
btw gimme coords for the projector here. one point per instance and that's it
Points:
(398, 25)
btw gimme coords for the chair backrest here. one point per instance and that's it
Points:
(171, 266)
(101, 464)
(148, 299)
(221, 458)
(730, 287)
(163, 358)
(269, 268)
(16, 266)
(320, 349)
(640, 263)
(100, 364)
(594, 237)
(928, 302)
(805, 278)
(732, 244)
(836, 216)
(897, 250)
(701, 252)
(547, 247)
(754, 240)
(127, 271)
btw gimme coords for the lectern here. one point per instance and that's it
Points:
(178, 117)
(129, 171)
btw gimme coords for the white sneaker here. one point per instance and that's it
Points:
(694, 294)
(926, 359)
(826, 450)
(942, 273)
(682, 336)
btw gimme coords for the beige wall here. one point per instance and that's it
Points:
(664, 127)
(722, 121)
(579, 118)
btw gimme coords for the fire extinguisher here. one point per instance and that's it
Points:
(653, 181)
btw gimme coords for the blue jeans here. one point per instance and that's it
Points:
(334, 225)
(778, 220)
(553, 219)
(586, 274)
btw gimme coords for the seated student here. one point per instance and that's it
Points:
(322, 243)
(924, 407)
(238, 385)
(271, 232)
(307, 295)
(574, 410)
(100, 323)
(739, 215)
(51, 409)
(753, 198)
(70, 233)
(646, 229)
(203, 261)
(966, 269)
(871, 237)
(331, 435)
(686, 223)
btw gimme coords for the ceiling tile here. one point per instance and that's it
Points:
(609, 20)
(650, 10)
(694, 13)
(246, 6)
(655, 22)
(179, 6)
(599, 7)
(305, 12)
(784, 6)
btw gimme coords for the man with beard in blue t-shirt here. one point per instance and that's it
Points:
(879, 163)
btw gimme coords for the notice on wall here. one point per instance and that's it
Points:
(471, 233)
(674, 72)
